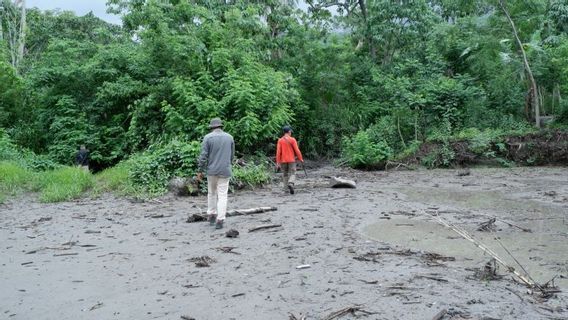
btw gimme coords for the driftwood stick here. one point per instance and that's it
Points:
(440, 314)
(244, 212)
(266, 226)
(467, 236)
(199, 217)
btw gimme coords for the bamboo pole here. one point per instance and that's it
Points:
(469, 237)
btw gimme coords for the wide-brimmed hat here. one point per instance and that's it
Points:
(215, 123)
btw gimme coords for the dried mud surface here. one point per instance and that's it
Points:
(112, 258)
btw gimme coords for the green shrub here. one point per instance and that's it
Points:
(150, 171)
(362, 153)
(409, 151)
(63, 184)
(250, 175)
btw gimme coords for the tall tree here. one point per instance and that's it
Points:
(13, 21)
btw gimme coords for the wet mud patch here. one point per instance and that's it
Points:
(533, 232)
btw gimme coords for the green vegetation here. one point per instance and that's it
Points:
(63, 184)
(367, 80)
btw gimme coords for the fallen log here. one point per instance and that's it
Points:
(336, 182)
(266, 226)
(199, 217)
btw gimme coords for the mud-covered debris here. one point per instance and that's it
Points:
(196, 218)
(203, 261)
(356, 311)
(187, 318)
(550, 193)
(336, 182)
(294, 317)
(227, 250)
(487, 226)
(464, 172)
(232, 233)
(488, 272)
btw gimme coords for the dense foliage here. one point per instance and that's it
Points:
(368, 79)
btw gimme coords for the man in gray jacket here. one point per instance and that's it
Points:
(216, 158)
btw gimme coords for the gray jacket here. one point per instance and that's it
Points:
(217, 153)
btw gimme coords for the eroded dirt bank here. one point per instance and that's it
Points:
(111, 258)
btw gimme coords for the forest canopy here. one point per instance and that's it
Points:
(371, 78)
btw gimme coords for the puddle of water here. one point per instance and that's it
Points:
(482, 200)
(544, 252)
(544, 256)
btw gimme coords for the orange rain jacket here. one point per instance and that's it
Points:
(287, 150)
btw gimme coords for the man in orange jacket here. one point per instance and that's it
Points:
(286, 152)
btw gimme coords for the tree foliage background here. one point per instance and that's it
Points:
(372, 75)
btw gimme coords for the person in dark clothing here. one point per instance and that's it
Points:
(82, 158)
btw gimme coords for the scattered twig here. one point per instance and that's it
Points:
(431, 278)
(96, 306)
(487, 226)
(440, 314)
(227, 250)
(202, 262)
(266, 226)
(66, 254)
(293, 317)
(348, 310)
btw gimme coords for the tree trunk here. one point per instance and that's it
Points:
(22, 33)
(368, 36)
(533, 92)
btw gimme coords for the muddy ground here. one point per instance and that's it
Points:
(112, 258)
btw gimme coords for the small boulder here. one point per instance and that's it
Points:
(184, 187)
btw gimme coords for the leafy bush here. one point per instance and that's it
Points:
(362, 153)
(64, 184)
(250, 175)
(150, 171)
(23, 157)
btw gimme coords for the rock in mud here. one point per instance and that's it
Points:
(232, 233)
(184, 187)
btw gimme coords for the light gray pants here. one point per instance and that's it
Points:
(288, 173)
(217, 190)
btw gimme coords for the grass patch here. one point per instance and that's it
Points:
(14, 178)
(116, 179)
(64, 184)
